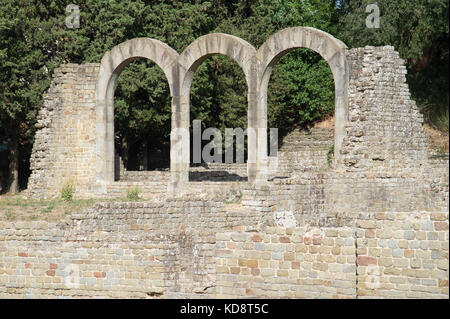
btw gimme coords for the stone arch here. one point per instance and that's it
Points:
(330, 48)
(190, 59)
(112, 64)
(240, 51)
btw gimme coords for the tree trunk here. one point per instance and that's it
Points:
(14, 165)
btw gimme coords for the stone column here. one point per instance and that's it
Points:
(257, 123)
(179, 137)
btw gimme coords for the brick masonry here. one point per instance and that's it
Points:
(200, 249)
(372, 225)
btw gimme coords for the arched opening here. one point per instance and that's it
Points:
(331, 50)
(112, 64)
(192, 57)
(142, 115)
(300, 104)
(219, 105)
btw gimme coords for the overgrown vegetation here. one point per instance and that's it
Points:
(133, 194)
(67, 191)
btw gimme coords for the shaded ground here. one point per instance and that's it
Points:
(438, 139)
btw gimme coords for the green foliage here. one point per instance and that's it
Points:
(301, 90)
(67, 191)
(429, 89)
(34, 40)
(419, 31)
(412, 27)
(133, 194)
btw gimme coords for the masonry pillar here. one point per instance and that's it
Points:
(179, 137)
(257, 124)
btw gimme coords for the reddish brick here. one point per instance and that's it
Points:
(27, 265)
(380, 216)
(248, 291)
(252, 263)
(313, 249)
(317, 240)
(441, 225)
(50, 272)
(284, 239)
(235, 270)
(366, 261)
(307, 240)
(409, 253)
(257, 238)
(231, 245)
(99, 274)
(53, 266)
(22, 254)
(255, 271)
(295, 265)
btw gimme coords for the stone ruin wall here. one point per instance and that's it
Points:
(64, 148)
(385, 151)
(386, 166)
(374, 227)
(198, 248)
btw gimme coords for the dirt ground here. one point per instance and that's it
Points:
(438, 140)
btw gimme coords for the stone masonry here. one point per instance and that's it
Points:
(369, 221)
(198, 248)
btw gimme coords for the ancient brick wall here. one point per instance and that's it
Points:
(384, 154)
(196, 248)
(385, 166)
(298, 262)
(160, 248)
(64, 148)
(372, 225)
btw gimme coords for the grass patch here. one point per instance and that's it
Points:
(133, 194)
(67, 191)
(16, 207)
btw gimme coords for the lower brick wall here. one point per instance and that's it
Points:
(152, 250)
(387, 255)
(403, 255)
(286, 263)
